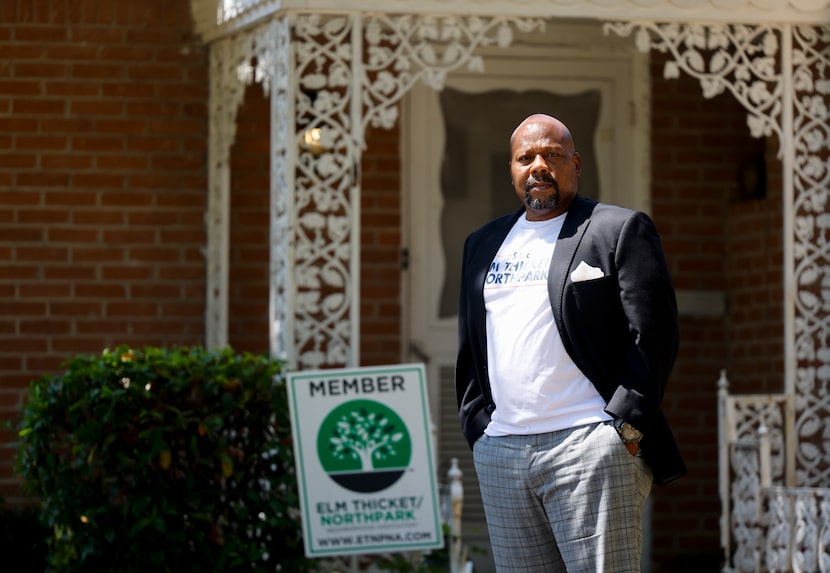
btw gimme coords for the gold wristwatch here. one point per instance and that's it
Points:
(629, 435)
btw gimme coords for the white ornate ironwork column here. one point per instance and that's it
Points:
(781, 75)
(283, 159)
(329, 76)
(225, 95)
(811, 251)
(235, 62)
(224, 100)
(351, 71)
(322, 317)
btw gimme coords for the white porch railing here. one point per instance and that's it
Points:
(768, 523)
(452, 501)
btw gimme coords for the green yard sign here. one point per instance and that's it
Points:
(365, 466)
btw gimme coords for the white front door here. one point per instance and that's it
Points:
(456, 177)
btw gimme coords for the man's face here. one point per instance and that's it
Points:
(544, 167)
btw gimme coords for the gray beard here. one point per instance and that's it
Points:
(535, 204)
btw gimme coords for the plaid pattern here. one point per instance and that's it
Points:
(570, 500)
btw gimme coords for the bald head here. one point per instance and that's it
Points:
(541, 122)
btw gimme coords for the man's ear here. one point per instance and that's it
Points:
(578, 162)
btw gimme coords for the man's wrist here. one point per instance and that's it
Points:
(629, 435)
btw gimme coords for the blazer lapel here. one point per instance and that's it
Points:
(576, 223)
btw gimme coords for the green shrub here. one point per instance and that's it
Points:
(164, 460)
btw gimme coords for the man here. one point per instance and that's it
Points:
(567, 335)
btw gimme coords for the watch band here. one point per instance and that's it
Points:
(632, 447)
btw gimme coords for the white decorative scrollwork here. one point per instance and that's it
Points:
(778, 535)
(401, 50)
(324, 192)
(352, 70)
(741, 59)
(750, 414)
(331, 75)
(745, 61)
(743, 521)
(797, 521)
(282, 186)
(773, 527)
(804, 532)
(823, 546)
(811, 251)
(781, 76)
(754, 420)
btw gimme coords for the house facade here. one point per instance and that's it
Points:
(297, 178)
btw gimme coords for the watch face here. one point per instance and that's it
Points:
(629, 432)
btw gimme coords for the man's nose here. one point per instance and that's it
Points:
(539, 165)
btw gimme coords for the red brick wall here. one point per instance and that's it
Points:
(103, 126)
(380, 272)
(714, 241)
(755, 282)
(249, 228)
(690, 181)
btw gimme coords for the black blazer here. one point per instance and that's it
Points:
(620, 330)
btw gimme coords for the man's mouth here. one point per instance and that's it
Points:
(541, 182)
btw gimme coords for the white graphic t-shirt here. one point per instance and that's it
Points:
(536, 386)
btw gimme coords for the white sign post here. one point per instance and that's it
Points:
(363, 452)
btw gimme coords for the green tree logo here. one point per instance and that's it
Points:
(364, 446)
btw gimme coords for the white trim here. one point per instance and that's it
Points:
(788, 175)
(358, 145)
(281, 208)
(250, 12)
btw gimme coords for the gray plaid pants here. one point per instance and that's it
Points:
(566, 501)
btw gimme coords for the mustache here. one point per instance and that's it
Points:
(543, 178)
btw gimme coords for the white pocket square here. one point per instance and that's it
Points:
(585, 272)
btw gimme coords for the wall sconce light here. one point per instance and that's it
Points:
(752, 178)
(313, 141)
